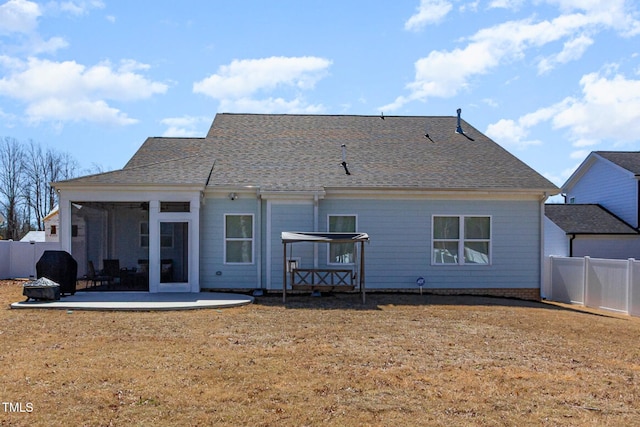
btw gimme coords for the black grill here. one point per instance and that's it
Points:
(60, 267)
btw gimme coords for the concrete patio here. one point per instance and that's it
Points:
(139, 301)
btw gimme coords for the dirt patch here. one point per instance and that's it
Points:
(397, 360)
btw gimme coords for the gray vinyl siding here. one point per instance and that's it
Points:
(212, 243)
(288, 217)
(400, 248)
(611, 186)
(399, 251)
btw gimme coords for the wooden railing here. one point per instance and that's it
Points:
(322, 279)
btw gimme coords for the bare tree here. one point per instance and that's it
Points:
(35, 182)
(42, 167)
(61, 166)
(26, 174)
(12, 186)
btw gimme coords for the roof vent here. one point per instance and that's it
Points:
(459, 127)
(344, 159)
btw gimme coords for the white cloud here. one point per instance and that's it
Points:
(510, 133)
(69, 91)
(19, 16)
(429, 12)
(572, 50)
(76, 7)
(37, 46)
(63, 110)
(505, 4)
(270, 105)
(606, 111)
(491, 102)
(239, 83)
(186, 126)
(446, 73)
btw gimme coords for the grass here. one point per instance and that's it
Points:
(398, 360)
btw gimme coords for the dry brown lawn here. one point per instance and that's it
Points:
(399, 360)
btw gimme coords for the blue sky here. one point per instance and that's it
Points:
(549, 80)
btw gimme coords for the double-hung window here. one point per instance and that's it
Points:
(238, 238)
(342, 253)
(461, 240)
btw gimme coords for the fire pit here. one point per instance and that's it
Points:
(41, 289)
(60, 267)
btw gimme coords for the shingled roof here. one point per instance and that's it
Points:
(586, 219)
(630, 160)
(160, 161)
(303, 152)
(297, 152)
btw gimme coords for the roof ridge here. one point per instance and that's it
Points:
(377, 116)
(160, 162)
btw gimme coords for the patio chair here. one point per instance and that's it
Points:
(95, 277)
(111, 269)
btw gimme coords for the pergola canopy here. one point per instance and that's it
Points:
(322, 237)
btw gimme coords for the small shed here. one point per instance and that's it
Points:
(323, 279)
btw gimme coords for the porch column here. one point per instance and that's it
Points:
(64, 216)
(194, 245)
(154, 246)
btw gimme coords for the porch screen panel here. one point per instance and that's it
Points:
(174, 252)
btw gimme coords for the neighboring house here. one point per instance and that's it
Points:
(604, 220)
(610, 179)
(207, 213)
(52, 225)
(33, 236)
(50, 233)
(588, 230)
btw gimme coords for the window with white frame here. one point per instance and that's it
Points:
(342, 253)
(461, 239)
(238, 237)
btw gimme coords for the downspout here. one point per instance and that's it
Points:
(258, 227)
(315, 228)
(573, 236)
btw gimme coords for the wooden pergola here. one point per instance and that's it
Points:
(323, 279)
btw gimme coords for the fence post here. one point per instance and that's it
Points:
(585, 282)
(547, 280)
(630, 262)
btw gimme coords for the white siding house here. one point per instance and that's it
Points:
(455, 209)
(600, 215)
(609, 179)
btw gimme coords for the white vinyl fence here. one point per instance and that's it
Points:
(609, 284)
(18, 259)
